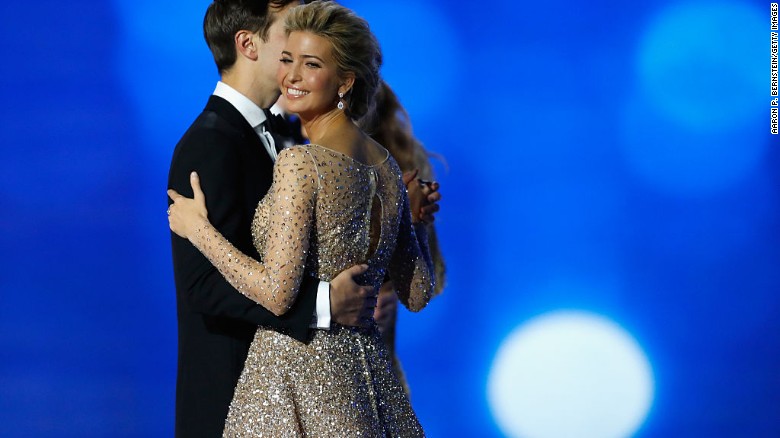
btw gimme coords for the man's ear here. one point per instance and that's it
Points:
(347, 81)
(246, 44)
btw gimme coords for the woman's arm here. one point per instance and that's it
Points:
(411, 268)
(274, 283)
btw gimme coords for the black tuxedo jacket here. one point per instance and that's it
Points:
(216, 323)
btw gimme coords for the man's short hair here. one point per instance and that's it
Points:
(224, 18)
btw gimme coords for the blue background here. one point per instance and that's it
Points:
(612, 157)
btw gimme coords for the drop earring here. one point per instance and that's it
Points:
(341, 102)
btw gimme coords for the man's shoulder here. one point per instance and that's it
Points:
(207, 140)
(211, 124)
(215, 136)
(218, 119)
(210, 130)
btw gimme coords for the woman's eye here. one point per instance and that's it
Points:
(285, 60)
(313, 65)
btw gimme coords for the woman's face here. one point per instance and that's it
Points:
(308, 75)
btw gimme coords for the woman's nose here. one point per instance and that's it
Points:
(294, 74)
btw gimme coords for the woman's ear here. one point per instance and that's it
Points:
(347, 81)
(246, 44)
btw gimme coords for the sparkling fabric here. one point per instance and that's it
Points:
(324, 213)
(340, 384)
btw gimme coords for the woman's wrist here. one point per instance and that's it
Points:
(199, 225)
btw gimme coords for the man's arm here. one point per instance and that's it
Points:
(350, 303)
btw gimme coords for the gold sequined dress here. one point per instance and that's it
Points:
(324, 213)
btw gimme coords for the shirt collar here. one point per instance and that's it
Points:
(253, 114)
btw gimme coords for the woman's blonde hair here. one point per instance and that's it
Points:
(355, 48)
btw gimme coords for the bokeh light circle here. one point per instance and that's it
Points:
(694, 125)
(704, 64)
(570, 374)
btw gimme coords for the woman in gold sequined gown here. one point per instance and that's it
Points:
(334, 203)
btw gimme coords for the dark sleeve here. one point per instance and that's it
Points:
(218, 163)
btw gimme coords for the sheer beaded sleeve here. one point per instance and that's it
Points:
(274, 283)
(411, 268)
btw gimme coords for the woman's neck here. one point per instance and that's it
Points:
(330, 125)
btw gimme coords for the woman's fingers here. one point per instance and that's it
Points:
(174, 195)
(196, 190)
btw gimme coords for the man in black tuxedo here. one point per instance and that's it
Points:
(231, 146)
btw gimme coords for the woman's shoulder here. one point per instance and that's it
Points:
(298, 156)
(295, 153)
(390, 165)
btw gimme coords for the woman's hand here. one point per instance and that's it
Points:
(423, 197)
(186, 215)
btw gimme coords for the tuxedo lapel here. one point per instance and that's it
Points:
(230, 114)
